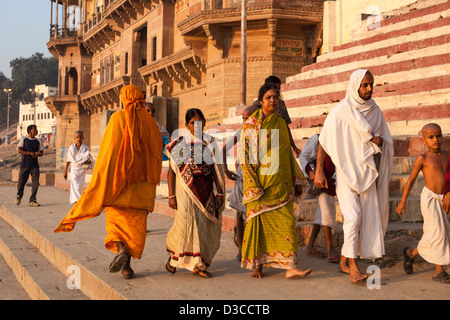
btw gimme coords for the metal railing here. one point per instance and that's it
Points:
(63, 32)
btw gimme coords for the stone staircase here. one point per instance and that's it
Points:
(40, 279)
(409, 56)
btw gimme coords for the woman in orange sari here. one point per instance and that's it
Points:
(124, 181)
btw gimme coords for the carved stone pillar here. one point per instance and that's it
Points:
(272, 25)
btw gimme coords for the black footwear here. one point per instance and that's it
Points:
(407, 262)
(169, 268)
(239, 256)
(442, 277)
(128, 275)
(118, 262)
(201, 273)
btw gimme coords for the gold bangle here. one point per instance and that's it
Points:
(170, 197)
(445, 196)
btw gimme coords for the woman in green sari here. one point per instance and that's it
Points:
(272, 179)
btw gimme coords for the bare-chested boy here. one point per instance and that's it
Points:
(434, 246)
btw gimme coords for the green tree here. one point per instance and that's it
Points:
(25, 74)
(5, 83)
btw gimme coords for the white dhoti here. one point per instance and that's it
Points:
(77, 176)
(326, 210)
(434, 246)
(77, 159)
(363, 225)
(362, 184)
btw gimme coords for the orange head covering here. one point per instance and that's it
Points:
(141, 148)
(130, 154)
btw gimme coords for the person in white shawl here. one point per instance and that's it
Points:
(356, 137)
(80, 159)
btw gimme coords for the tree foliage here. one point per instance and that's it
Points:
(25, 74)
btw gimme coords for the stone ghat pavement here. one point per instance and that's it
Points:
(43, 261)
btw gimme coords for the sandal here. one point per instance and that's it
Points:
(129, 275)
(407, 262)
(201, 273)
(317, 254)
(335, 259)
(118, 262)
(169, 268)
(442, 277)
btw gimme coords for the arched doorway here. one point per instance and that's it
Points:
(72, 81)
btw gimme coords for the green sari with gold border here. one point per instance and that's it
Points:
(270, 173)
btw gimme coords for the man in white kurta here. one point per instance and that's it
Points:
(356, 137)
(80, 160)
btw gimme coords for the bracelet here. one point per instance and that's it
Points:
(219, 195)
(170, 197)
(445, 196)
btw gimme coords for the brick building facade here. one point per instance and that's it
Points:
(182, 54)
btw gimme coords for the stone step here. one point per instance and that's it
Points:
(402, 165)
(411, 24)
(304, 230)
(47, 176)
(57, 263)
(412, 213)
(409, 57)
(311, 111)
(411, 14)
(39, 278)
(395, 229)
(398, 184)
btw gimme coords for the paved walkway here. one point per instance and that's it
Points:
(84, 248)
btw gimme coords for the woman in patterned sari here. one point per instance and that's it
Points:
(272, 178)
(195, 235)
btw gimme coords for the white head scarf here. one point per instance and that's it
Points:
(363, 115)
(352, 96)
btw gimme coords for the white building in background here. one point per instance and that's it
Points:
(37, 113)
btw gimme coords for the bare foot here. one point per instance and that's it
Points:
(343, 266)
(257, 273)
(297, 273)
(355, 275)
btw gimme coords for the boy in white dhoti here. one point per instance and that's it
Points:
(434, 246)
(356, 137)
(80, 159)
